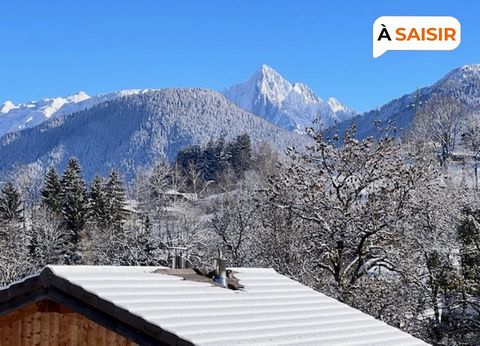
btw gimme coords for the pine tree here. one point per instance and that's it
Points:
(222, 156)
(209, 163)
(189, 154)
(242, 154)
(10, 204)
(115, 200)
(10, 215)
(147, 247)
(74, 206)
(97, 204)
(469, 234)
(51, 192)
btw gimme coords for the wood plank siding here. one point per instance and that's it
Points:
(49, 323)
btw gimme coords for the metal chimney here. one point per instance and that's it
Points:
(178, 260)
(220, 270)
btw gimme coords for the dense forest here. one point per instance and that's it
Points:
(390, 226)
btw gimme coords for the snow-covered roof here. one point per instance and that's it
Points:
(271, 309)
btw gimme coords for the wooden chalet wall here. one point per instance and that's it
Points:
(48, 323)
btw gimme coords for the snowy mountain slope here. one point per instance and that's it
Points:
(134, 130)
(26, 115)
(291, 106)
(462, 83)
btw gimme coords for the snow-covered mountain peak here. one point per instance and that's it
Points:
(268, 73)
(50, 106)
(128, 92)
(336, 105)
(466, 72)
(271, 84)
(7, 107)
(470, 68)
(291, 106)
(29, 114)
(17, 117)
(267, 70)
(306, 92)
(80, 96)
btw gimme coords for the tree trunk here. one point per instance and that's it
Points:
(476, 174)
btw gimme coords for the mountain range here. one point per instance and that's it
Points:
(26, 115)
(136, 129)
(293, 107)
(128, 128)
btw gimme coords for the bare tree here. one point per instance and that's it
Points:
(236, 223)
(46, 238)
(187, 229)
(438, 123)
(158, 185)
(350, 198)
(266, 160)
(471, 140)
(177, 179)
(194, 177)
(13, 266)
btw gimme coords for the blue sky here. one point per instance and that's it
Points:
(55, 48)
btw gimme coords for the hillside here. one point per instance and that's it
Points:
(462, 83)
(136, 129)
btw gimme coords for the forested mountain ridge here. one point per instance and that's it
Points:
(292, 106)
(137, 129)
(462, 84)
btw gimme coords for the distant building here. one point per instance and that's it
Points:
(175, 195)
(105, 305)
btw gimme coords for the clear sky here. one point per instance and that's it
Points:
(55, 48)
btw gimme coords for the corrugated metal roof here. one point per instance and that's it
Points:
(271, 310)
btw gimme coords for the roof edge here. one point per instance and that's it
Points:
(46, 285)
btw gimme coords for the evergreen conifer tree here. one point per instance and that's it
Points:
(469, 233)
(189, 154)
(97, 203)
(10, 215)
(146, 244)
(115, 200)
(242, 154)
(51, 192)
(222, 156)
(10, 204)
(209, 164)
(74, 207)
